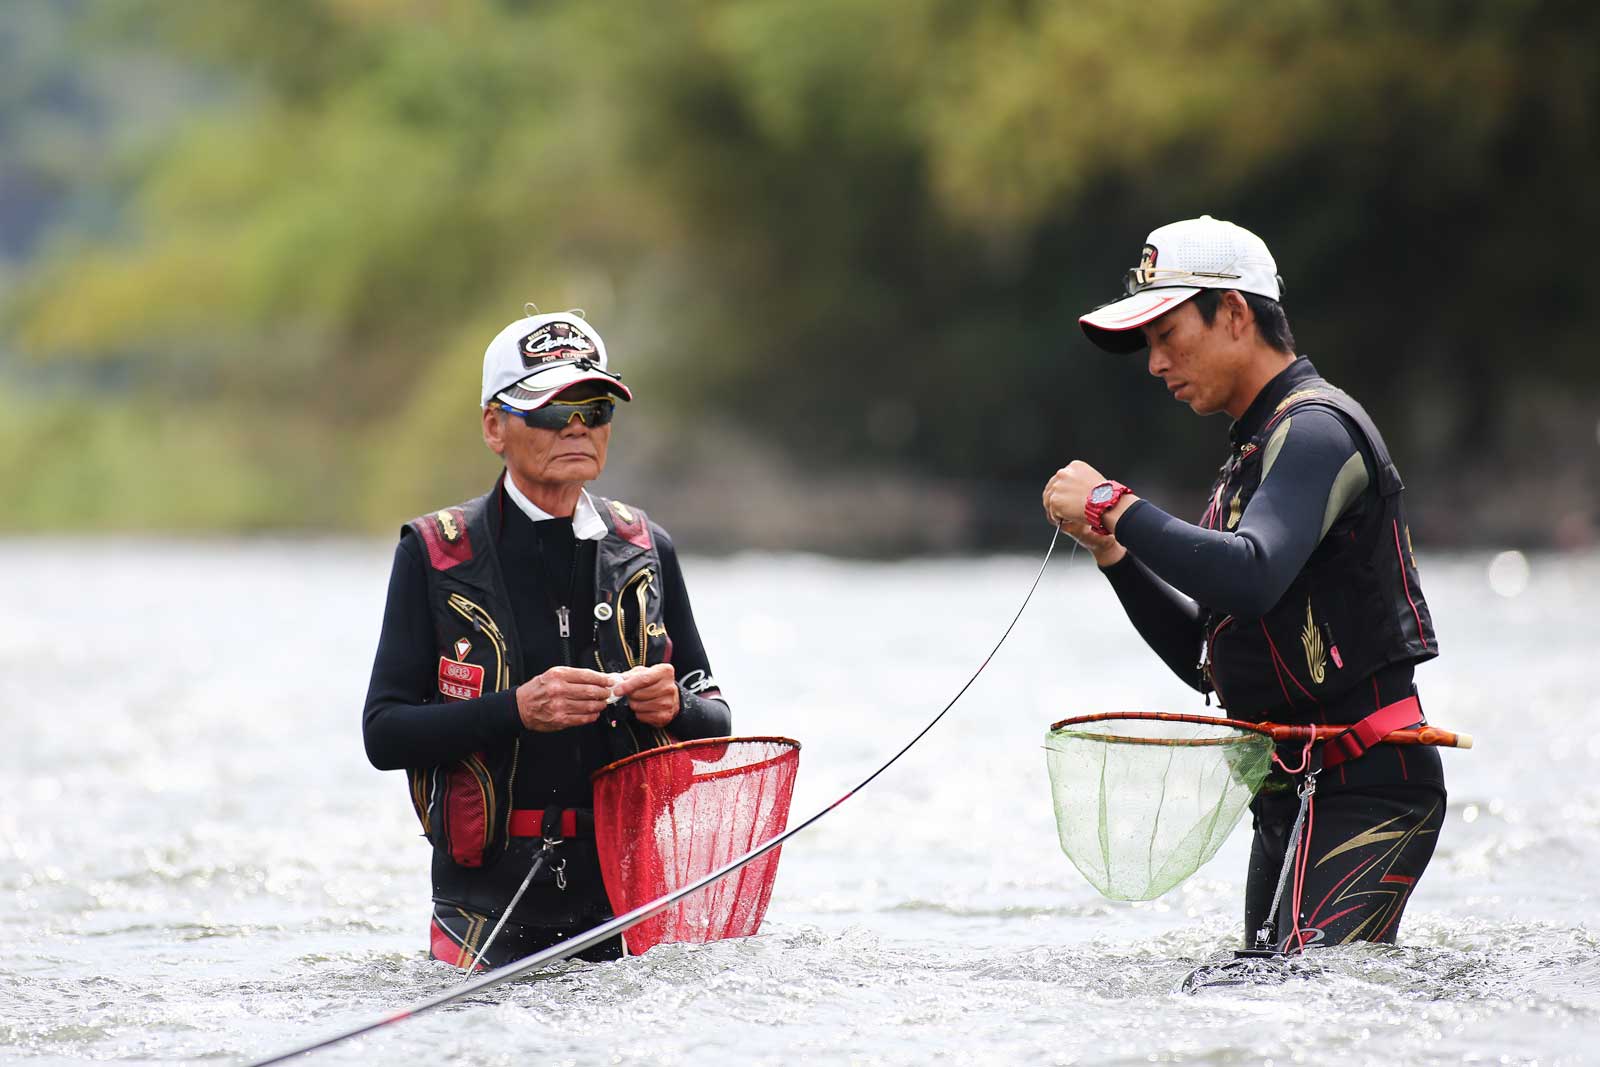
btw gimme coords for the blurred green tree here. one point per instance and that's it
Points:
(859, 231)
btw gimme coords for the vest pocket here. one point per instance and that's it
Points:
(469, 811)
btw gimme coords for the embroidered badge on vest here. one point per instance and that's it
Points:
(445, 534)
(1316, 655)
(1235, 511)
(629, 526)
(459, 681)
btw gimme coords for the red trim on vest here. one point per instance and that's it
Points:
(445, 534)
(629, 525)
(1362, 735)
(529, 822)
(1422, 633)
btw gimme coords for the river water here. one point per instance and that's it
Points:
(197, 863)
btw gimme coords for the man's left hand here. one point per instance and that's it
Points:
(652, 693)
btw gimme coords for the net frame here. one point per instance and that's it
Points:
(1268, 728)
(701, 742)
(1296, 733)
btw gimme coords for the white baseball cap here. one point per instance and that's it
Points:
(533, 359)
(1178, 260)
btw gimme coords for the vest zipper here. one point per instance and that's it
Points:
(642, 581)
(483, 623)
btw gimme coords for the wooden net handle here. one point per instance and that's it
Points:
(1416, 735)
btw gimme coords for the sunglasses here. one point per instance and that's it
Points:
(1139, 278)
(593, 412)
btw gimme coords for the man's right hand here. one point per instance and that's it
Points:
(562, 697)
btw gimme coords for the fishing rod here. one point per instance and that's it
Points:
(622, 923)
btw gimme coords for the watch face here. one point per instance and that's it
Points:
(1100, 494)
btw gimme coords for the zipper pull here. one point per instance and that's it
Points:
(564, 621)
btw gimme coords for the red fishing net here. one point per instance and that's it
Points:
(666, 817)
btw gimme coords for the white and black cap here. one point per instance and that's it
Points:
(1178, 260)
(533, 359)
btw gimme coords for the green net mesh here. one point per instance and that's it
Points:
(1141, 804)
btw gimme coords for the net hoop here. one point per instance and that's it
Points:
(1163, 716)
(704, 742)
(1283, 733)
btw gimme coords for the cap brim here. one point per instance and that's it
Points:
(552, 382)
(1115, 326)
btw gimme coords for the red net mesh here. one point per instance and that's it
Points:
(669, 816)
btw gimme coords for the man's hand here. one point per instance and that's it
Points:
(652, 693)
(562, 697)
(1064, 498)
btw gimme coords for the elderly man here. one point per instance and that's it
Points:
(1296, 598)
(531, 636)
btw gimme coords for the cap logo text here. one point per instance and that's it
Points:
(553, 341)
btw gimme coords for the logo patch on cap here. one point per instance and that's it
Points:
(1147, 263)
(553, 341)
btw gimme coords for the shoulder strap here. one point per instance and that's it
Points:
(447, 532)
(1339, 402)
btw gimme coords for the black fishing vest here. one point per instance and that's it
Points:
(1355, 607)
(465, 807)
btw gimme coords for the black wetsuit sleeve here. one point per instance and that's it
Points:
(1246, 572)
(702, 712)
(401, 724)
(1170, 623)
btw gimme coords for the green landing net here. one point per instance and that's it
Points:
(1143, 800)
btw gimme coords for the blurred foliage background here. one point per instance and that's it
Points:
(250, 252)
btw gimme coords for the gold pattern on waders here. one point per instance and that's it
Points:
(1316, 655)
(448, 526)
(655, 629)
(1235, 512)
(1410, 551)
(469, 942)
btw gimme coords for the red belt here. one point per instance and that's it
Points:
(530, 822)
(1360, 736)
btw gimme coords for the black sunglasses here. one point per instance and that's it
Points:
(593, 412)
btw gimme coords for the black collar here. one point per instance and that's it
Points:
(1266, 402)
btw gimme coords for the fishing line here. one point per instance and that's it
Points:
(638, 915)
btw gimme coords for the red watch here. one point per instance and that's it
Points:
(1102, 498)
